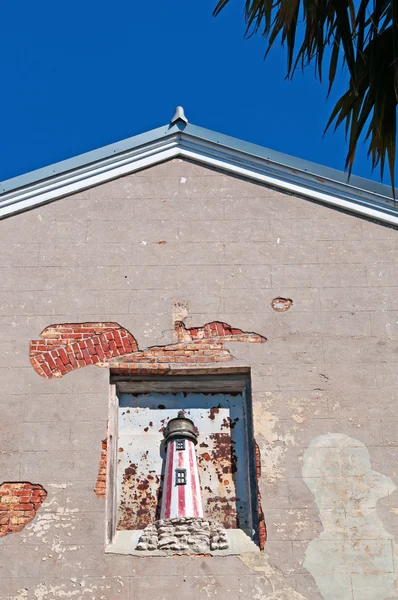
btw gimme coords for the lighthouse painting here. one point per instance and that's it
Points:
(184, 481)
(182, 528)
(181, 488)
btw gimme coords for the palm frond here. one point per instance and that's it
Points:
(363, 35)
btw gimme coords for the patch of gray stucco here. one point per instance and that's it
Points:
(271, 584)
(231, 247)
(353, 558)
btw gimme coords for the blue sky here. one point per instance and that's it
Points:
(78, 75)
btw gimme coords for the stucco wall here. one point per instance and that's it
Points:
(324, 384)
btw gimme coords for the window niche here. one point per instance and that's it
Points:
(220, 409)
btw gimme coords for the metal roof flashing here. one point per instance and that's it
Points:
(182, 139)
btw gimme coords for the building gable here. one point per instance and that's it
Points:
(182, 140)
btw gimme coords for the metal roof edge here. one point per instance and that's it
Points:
(86, 159)
(291, 180)
(290, 161)
(202, 145)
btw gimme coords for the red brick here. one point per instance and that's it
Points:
(40, 347)
(29, 514)
(219, 329)
(100, 352)
(60, 365)
(118, 339)
(127, 347)
(15, 515)
(73, 361)
(23, 506)
(63, 356)
(49, 359)
(24, 498)
(86, 355)
(46, 370)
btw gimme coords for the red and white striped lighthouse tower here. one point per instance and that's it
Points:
(181, 489)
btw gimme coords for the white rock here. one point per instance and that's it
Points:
(141, 546)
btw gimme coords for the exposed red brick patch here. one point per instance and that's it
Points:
(261, 521)
(75, 345)
(217, 331)
(281, 304)
(19, 503)
(100, 486)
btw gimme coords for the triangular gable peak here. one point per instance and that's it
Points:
(180, 139)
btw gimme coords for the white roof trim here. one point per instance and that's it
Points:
(239, 158)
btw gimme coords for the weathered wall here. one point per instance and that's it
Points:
(324, 384)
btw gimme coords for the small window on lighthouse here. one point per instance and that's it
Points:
(180, 444)
(181, 476)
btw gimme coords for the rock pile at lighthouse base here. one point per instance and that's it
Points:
(183, 535)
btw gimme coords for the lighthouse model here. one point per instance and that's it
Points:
(182, 528)
(181, 487)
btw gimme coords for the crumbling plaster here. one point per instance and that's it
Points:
(232, 247)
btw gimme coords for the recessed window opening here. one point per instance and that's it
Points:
(219, 407)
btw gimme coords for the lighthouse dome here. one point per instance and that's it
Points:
(181, 427)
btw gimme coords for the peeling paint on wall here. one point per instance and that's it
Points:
(262, 528)
(273, 445)
(180, 313)
(74, 588)
(48, 528)
(355, 556)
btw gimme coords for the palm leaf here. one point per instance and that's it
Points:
(362, 34)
